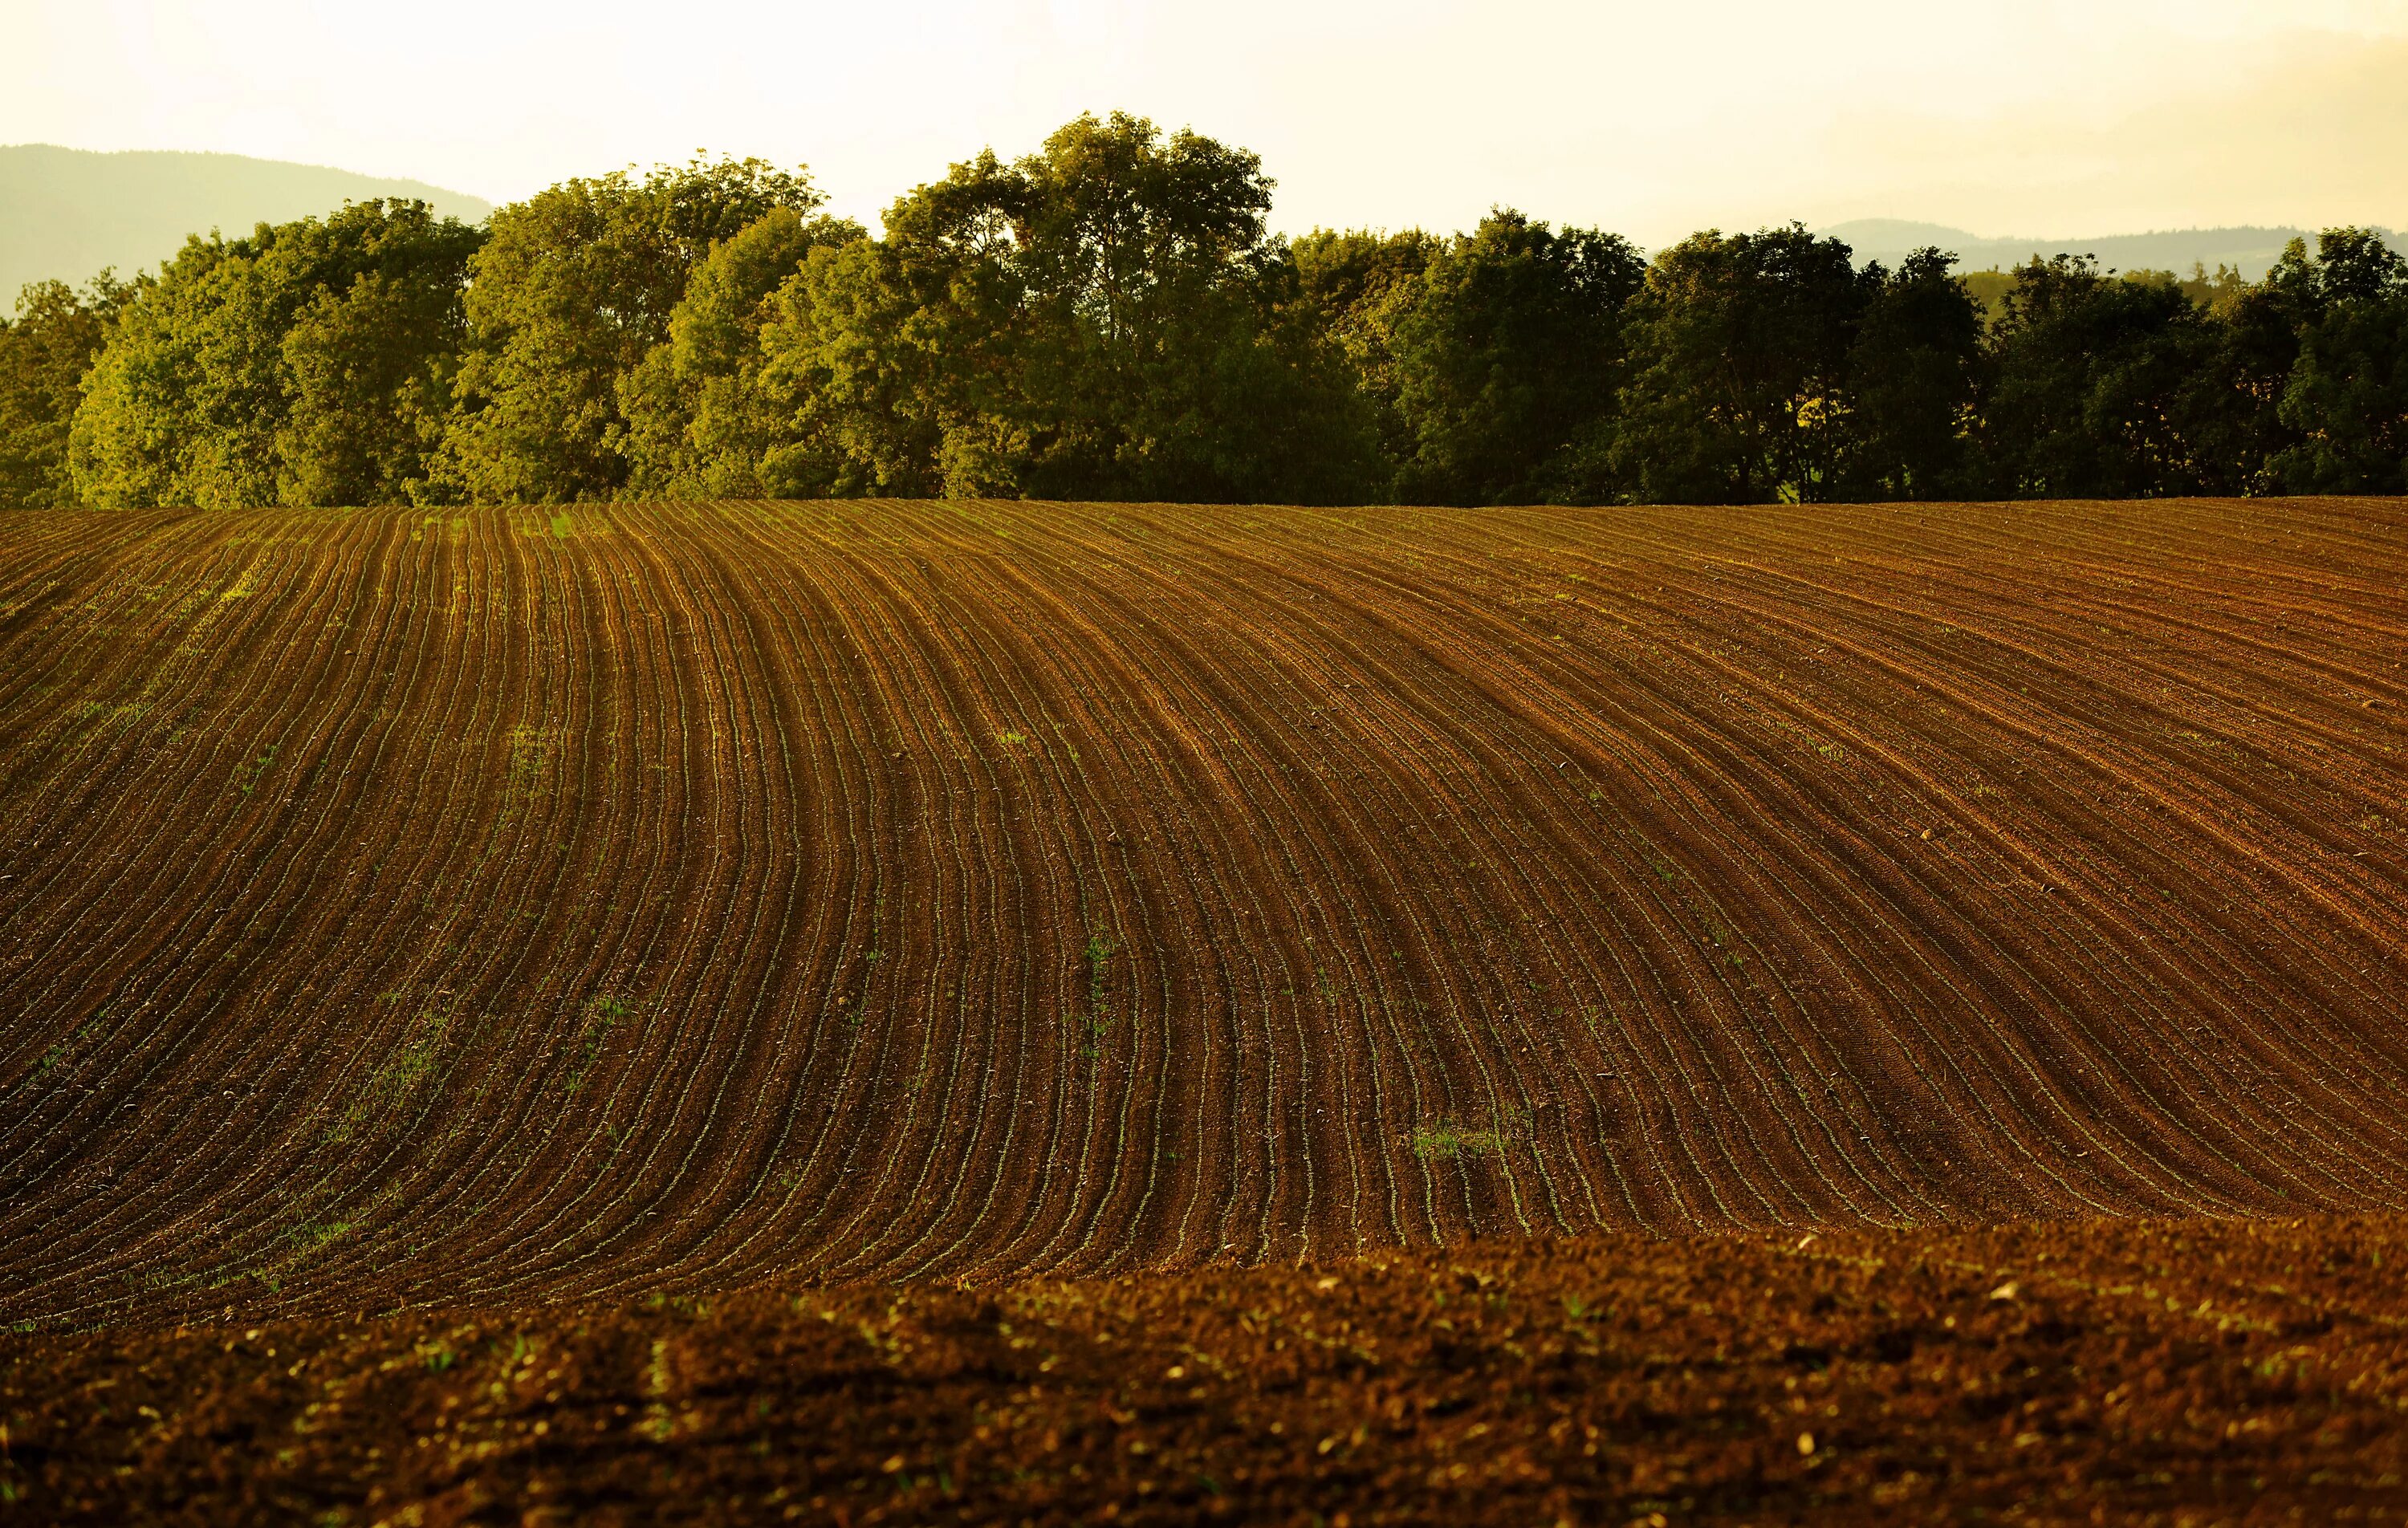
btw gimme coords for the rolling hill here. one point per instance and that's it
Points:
(66, 213)
(2252, 252)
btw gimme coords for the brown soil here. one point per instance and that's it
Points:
(2120, 1371)
(505, 909)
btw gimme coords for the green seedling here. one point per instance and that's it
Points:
(245, 776)
(1098, 1017)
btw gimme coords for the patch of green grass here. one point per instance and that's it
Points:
(531, 750)
(1099, 959)
(403, 1073)
(64, 1050)
(1446, 1140)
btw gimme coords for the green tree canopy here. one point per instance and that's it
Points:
(2094, 386)
(1105, 318)
(699, 423)
(44, 354)
(2346, 397)
(1914, 371)
(1352, 286)
(569, 295)
(2229, 405)
(1501, 362)
(309, 362)
(1109, 318)
(1739, 379)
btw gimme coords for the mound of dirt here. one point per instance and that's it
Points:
(2120, 1371)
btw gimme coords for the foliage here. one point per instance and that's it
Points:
(2347, 394)
(574, 289)
(1351, 287)
(1913, 375)
(2090, 379)
(307, 364)
(1505, 354)
(1104, 319)
(699, 423)
(1489, 360)
(1740, 369)
(43, 356)
(2229, 404)
(1108, 318)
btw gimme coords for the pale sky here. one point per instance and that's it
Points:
(2035, 117)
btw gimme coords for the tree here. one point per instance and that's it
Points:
(873, 394)
(571, 292)
(699, 423)
(1501, 359)
(2092, 389)
(307, 364)
(2346, 397)
(2230, 405)
(43, 357)
(1913, 370)
(1351, 289)
(1103, 319)
(1740, 376)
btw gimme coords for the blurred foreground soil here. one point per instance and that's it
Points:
(2178, 1372)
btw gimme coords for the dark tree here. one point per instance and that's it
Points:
(1502, 360)
(1913, 374)
(2091, 379)
(2346, 398)
(1741, 370)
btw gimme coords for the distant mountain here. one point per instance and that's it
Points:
(2251, 250)
(67, 212)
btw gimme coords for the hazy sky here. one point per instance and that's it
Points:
(2040, 117)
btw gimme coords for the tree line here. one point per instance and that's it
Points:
(1109, 318)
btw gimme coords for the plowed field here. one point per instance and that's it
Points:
(506, 905)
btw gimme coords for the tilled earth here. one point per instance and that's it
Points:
(513, 907)
(2183, 1371)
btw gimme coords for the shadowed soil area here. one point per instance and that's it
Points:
(2175, 1372)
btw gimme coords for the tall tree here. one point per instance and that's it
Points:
(1913, 370)
(701, 424)
(44, 354)
(574, 289)
(2228, 407)
(1503, 358)
(1738, 387)
(2091, 379)
(307, 364)
(1352, 287)
(1105, 318)
(2347, 395)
